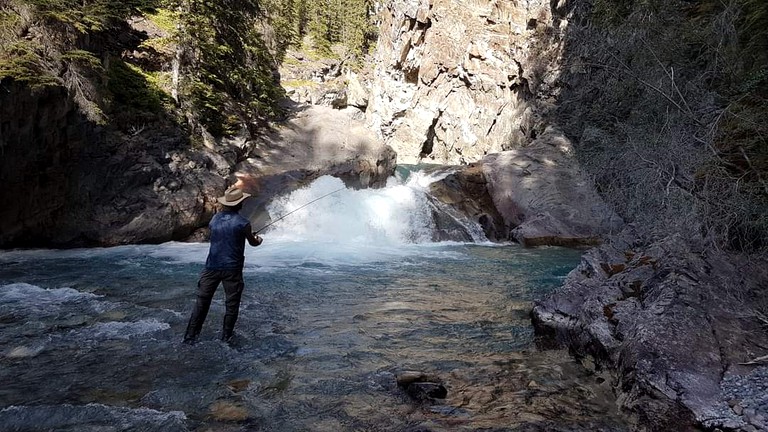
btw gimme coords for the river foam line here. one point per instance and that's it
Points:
(90, 417)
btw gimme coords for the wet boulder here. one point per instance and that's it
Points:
(421, 386)
(669, 318)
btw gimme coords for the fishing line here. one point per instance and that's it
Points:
(294, 211)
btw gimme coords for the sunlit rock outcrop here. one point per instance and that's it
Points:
(453, 79)
(314, 141)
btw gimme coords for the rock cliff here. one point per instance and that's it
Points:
(68, 181)
(453, 80)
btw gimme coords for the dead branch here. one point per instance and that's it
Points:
(758, 360)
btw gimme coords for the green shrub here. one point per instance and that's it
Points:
(23, 62)
(132, 87)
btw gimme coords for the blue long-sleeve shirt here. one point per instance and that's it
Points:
(228, 233)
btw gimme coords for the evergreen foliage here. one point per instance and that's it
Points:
(327, 22)
(228, 70)
(90, 15)
(131, 87)
(228, 51)
(23, 61)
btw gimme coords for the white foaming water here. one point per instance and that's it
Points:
(90, 417)
(349, 226)
(395, 215)
(122, 330)
(34, 301)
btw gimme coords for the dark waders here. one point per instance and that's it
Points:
(206, 287)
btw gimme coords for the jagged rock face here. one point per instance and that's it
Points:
(673, 321)
(452, 78)
(41, 140)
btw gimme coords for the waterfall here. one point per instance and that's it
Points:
(399, 214)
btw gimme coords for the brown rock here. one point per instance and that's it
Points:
(536, 195)
(227, 411)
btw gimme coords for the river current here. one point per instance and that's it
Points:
(342, 296)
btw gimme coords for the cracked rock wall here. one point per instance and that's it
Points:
(455, 80)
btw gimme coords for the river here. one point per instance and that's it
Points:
(342, 296)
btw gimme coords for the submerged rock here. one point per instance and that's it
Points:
(227, 411)
(421, 386)
(669, 318)
(426, 390)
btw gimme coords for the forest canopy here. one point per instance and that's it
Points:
(224, 53)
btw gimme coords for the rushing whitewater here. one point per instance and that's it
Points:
(397, 215)
(341, 296)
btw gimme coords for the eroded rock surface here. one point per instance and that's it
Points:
(674, 322)
(68, 181)
(535, 195)
(315, 141)
(453, 79)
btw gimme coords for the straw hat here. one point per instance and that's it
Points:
(232, 197)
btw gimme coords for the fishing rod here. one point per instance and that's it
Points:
(294, 211)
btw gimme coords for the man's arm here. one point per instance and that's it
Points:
(253, 239)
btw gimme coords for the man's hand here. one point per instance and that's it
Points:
(253, 238)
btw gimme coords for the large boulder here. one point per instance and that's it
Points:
(672, 321)
(535, 195)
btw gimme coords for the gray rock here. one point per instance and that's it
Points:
(453, 80)
(666, 317)
(315, 141)
(536, 195)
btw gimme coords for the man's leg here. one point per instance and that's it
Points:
(233, 287)
(206, 287)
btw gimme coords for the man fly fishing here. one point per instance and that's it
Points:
(224, 264)
(226, 256)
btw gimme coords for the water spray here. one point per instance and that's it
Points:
(294, 211)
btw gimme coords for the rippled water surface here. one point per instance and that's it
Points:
(90, 339)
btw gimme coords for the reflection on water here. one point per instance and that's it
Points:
(90, 339)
